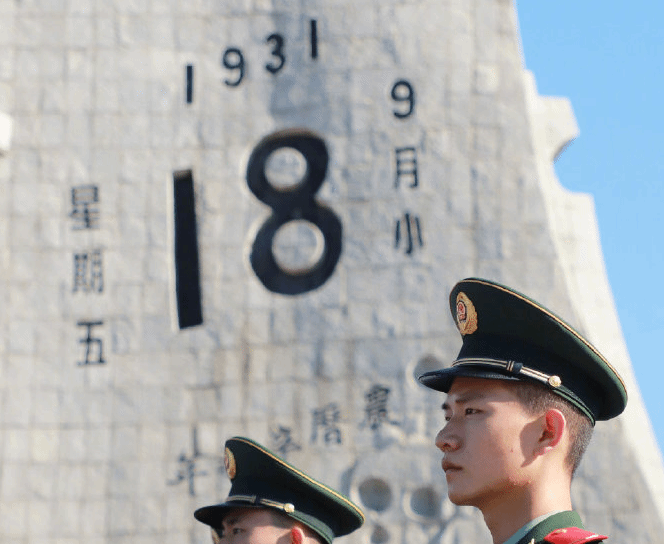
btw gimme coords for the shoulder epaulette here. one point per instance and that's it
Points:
(573, 535)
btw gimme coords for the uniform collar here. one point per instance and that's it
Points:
(542, 526)
(516, 537)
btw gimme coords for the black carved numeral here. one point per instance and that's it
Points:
(297, 203)
(232, 59)
(189, 85)
(187, 274)
(277, 51)
(313, 38)
(402, 91)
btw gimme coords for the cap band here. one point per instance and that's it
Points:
(242, 498)
(513, 367)
(253, 499)
(519, 371)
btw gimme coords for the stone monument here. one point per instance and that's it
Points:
(244, 217)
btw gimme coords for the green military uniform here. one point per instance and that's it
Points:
(558, 528)
(508, 336)
(261, 479)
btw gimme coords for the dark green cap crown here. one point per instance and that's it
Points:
(508, 336)
(261, 479)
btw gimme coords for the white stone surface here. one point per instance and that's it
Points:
(96, 93)
(5, 133)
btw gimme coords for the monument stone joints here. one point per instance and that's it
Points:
(321, 288)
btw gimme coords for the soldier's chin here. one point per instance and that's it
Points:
(459, 498)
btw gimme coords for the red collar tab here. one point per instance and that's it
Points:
(573, 535)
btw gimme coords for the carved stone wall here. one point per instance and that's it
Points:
(177, 269)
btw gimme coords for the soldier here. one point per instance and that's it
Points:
(271, 501)
(523, 396)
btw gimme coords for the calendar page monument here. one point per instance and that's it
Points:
(245, 217)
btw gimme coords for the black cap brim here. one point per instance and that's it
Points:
(261, 479)
(501, 326)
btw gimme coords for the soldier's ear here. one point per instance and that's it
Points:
(297, 535)
(553, 429)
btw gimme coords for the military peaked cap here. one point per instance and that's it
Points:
(508, 336)
(260, 479)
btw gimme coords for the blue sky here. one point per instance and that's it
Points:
(607, 58)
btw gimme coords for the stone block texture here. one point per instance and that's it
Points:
(113, 414)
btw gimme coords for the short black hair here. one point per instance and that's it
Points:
(537, 398)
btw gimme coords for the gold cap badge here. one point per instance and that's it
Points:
(229, 463)
(466, 316)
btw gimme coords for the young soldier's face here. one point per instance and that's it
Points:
(252, 526)
(488, 442)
